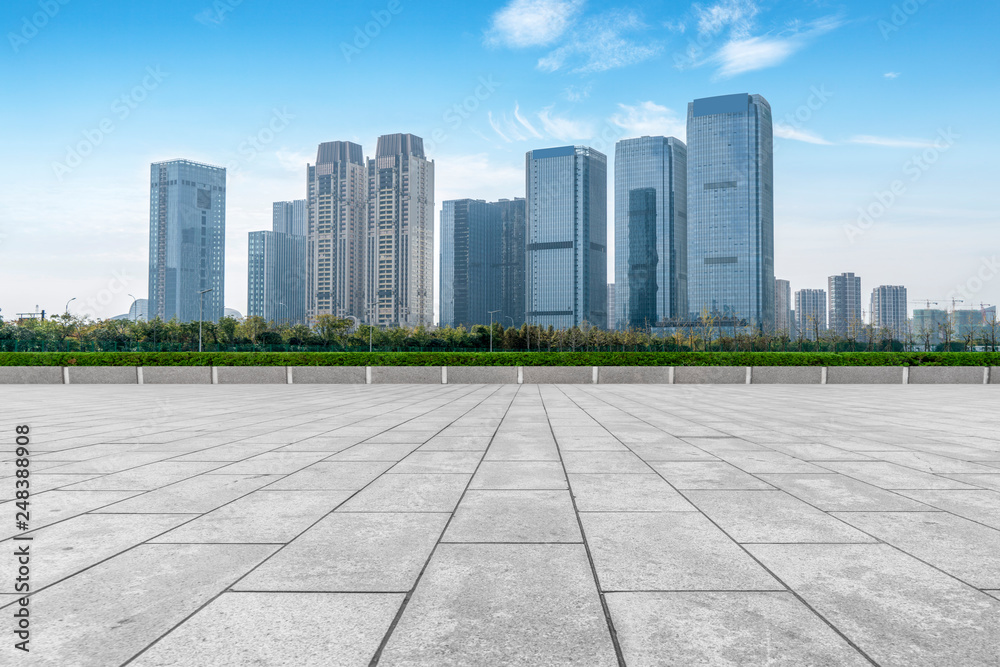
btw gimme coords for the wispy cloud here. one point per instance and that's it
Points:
(524, 23)
(795, 134)
(753, 53)
(891, 75)
(890, 142)
(736, 15)
(292, 160)
(602, 43)
(563, 128)
(578, 93)
(649, 119)
(524, 122)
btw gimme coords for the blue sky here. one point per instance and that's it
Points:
(887, 108)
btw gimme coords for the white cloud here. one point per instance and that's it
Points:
(524, 23)
(578, 93)
(890, 142)
(293, 160)
(524, 121)
(753, 53)
(649, 119)
(795, 134)
(562, 128)
(891, 75)
(601, 44)
(737, 15)
(495, 124)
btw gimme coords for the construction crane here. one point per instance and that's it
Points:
(929, 302)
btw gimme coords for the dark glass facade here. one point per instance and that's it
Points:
(471, 262)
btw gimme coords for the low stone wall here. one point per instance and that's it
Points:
(498, 375)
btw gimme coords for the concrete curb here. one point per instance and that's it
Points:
(31, 375)
(558, 374)
(250, 374)
(947, 375)
(176, 374)
(101, 375)
(787, 375)
(327, 374)
(866, 375)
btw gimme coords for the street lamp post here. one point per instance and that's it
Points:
(491, 328)
(66, 310)
(201, 313)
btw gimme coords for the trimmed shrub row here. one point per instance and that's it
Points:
(499, 359)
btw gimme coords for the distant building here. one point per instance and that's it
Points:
(337, 223)
(471, 259)
(399, 278)
(845, 304)
(926, 325)
(139, 311)
(187, 240)
(730, 209)
(233, 313)
(810, 313)
(889, 309)
(611, 306)
(514, 226)
(276, 277)
(567, 236)
(291, 217)
(967, 322)
(783, 306)
(650, 232)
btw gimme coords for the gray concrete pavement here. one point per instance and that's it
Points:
(465, 524)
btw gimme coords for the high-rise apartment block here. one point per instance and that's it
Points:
(889, 309)
(730, 209)
(187, 240)
(845, 304)
(567, 256)
(650, 232)
(399, 272)
(337, 220)
(611, 306)
(291, 217)
(783, 306)
(276, 277)
(810, 313)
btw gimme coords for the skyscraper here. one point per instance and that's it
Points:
(611, 307)
(187, 240)
(783, 306)
(567, 255)
(845, 304)
(889, 309)
(471, 262)
(337, 214)
(810, 313)
(276, 277)
(650, 231)
(513, 220)
(399, 279)
(731, 209)
(291, 217)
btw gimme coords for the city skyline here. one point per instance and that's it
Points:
(847, 87)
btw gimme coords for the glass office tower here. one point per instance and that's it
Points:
(471, 262)
(514, 226)
(731, 210)
(291, 217)
(567, 255)
(276, 277)
(187, 240)
(650, 231)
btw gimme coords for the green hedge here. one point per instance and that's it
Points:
(499, 359)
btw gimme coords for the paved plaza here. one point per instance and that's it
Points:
(531, 525)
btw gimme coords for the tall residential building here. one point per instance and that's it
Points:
(471, 262)
(399, 277)
(337, 217)
(650, 232)
(889, 309)
(783, 306)
(514, 225)
(291, 217)
(187, 240)
(810, 313)
(276, 277)
(845, 304)
(611, 307)
(567, 255)
(731, 209)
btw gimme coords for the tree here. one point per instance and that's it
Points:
(331, 328)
